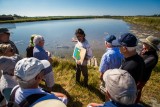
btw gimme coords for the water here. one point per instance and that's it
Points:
(59, 33)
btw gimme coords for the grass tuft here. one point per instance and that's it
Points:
(80, 96)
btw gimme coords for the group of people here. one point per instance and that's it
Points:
(123, 71)
(20, 77)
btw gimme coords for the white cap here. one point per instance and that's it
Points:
(121, 86)
(28, 68)
(37, 39)
(50, 103)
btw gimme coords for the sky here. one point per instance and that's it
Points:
(79, 7)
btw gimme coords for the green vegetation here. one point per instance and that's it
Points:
(79, 96)
(153, 22)
(149, 21)
(18, 19)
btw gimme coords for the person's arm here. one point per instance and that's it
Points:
(89, 53)
(61, 96)
(103, 64)
(94, 105)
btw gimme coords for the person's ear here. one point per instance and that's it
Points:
(124, 49)
(39, 76)
(108, 96)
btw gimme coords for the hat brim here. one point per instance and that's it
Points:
(45, 63)
(150, 44)
(116, 43)
(50, 103)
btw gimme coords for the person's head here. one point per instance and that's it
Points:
(7, 65)
(4, 35)
(150, 43)
(50, 103)
(30, 71)
(120, 86)
(127, 43)
(31, 40)
(38, 40)
(108, 40)
(6, 50)
(80, 35)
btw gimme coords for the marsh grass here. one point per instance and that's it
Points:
(152, 22)
(80, 96)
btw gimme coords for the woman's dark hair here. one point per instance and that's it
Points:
(80, 31)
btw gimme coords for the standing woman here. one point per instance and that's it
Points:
(150, 56)
(82, 42)
(29, 50)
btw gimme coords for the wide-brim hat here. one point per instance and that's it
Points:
(151, 41)
(50, 103)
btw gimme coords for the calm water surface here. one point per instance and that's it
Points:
(59, 33)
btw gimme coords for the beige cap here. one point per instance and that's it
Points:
(50, 103)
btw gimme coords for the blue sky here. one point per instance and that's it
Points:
(79, 7)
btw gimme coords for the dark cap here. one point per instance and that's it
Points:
(4, 30)
(128, 40)
(110, 38)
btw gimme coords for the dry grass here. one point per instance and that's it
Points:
(80, 96)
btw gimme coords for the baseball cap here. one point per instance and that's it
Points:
(110, 38)
(4, 30)
(50, 103)
(29, 68)
(126, 39)
(121, 86)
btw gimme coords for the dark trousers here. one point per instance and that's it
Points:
(84, 70)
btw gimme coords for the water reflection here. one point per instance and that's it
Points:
(58, 33)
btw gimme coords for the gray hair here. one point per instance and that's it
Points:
(25, 84)
(37, 39)
(107, 43)
(131, 49)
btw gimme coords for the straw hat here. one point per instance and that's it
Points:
(151, 41)
(50, 103)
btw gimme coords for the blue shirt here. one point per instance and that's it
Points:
(113, 104)
(41, 54)
(111, 59)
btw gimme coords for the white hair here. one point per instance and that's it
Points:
(107, 43)
(25, 84)
(37, 39)
(131, 49)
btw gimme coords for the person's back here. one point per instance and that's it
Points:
(29, 72)
(114, 104)
(135, 66)
(133, 63)
(120, 89)
(112, 58)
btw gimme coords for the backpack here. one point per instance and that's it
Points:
(28, 101)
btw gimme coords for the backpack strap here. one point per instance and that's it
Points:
(12, 97)
(31, 99)
(1, 97)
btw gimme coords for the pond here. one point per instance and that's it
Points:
(58, 34)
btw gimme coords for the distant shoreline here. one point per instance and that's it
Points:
(148, 21)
